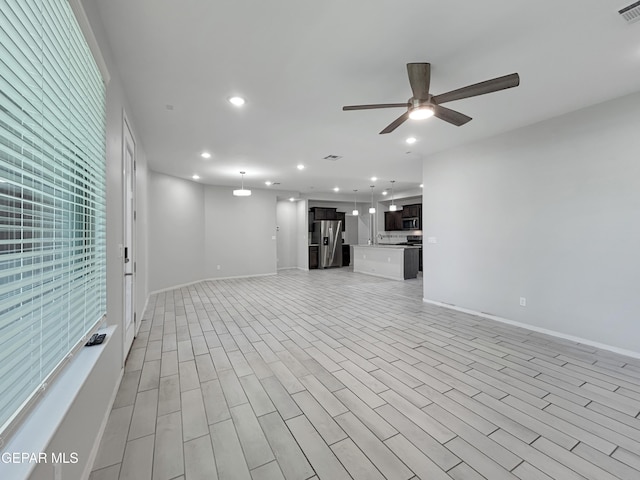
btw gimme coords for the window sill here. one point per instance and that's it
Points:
(39, 427)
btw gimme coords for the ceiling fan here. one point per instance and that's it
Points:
(423, 105)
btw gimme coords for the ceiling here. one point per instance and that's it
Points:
(297, 62)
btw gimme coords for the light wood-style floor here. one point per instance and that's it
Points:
(335, 375)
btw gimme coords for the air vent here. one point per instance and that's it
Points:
(631, 13)
(333, 158)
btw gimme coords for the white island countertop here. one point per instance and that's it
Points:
(397, 262)
(388, 245)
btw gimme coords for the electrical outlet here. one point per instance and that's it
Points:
(432, 240)
(523, 302)
(217, 267)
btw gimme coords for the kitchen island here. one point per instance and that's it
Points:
(397, 262)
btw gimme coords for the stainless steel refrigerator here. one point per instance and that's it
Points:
(328, 235)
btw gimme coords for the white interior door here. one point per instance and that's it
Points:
(129, 215)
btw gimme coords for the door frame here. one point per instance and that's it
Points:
(129, 314)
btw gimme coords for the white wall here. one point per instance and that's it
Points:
(287, 234)
(548, 212)
(364, 227)
(176, 230)
(240, 233)
(195, 228)
(351, 233)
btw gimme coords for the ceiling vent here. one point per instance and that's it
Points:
(333, 158)
(631, 13)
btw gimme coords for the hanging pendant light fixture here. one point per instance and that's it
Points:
(372, 209)
(242, 192)
(355, 207)
(393, 207)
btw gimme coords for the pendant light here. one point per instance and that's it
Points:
(242, 192)
(355, 207)
(372, 209)
(393, 207)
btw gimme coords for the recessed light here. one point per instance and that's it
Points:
(205, 155)
(237, 101)
(268, 183)
(300, 167)
(373, 179)
(410, 140)
(336, 189)
(421, 185)
(292, 199)
(384, 192)
(196, 177)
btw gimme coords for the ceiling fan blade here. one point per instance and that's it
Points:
(455, 118)
(488, 86)
(375, 105)
(396, 123)
(419, 78)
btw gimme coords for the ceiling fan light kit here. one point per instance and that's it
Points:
(421, 112)
(424, 105)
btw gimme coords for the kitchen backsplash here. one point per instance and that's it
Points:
(387, 237)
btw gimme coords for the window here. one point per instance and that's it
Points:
(52, 196)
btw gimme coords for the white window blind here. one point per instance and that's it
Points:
(52, 195)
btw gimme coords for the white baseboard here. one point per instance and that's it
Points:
(553, 333)
(173, 287)
(167, 289)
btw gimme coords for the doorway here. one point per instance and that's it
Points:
(129, 229)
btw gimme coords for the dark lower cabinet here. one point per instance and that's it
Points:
(411, 263)
(346, 255)
(313, 256)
